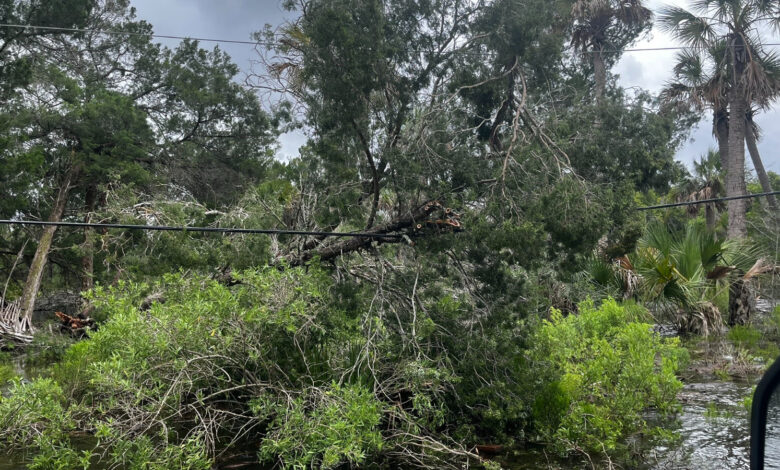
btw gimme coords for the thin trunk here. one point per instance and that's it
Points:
(720, 126)
(709, 211)
(735, 178)
(750, 138)
(600, 74)
(495, 140)
(38, 264)
(87, 260)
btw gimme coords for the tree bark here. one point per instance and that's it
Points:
(335, 250)
(735, 178)
(750, 139)
(741, 303)
(87, 259)
(34, 277)
(600, 74)
(709, 214)
(720, 125)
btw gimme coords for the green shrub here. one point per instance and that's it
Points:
(603, 368)
(7, 373)
(30, 409)
(339, 425)
(7, 370)
(142, 453)
(55, 454)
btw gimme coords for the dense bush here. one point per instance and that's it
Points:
(287, 362)
(283, 361)
(603, 368)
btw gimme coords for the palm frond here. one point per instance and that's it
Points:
(770, 10)
(658, 238)
(689, 67)
(741, 254)
(687, 27)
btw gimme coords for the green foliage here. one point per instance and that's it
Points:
(635, 142)
(7, 373)
(142, 453)
(685, 273)
(331, 427)
(58, 455)
(30, 409)
(603, 368)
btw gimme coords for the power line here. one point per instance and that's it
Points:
(132, 33)
(272, 44)
(707, 201)
(168, 228)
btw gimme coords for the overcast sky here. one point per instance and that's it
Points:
(238, 19)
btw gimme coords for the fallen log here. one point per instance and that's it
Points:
(74, 325)
(408, 221)
(13, 325)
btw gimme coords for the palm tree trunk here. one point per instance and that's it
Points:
(34, 277)
(750, 138)
(720, 126)
(600, 74)
(709, 213)
(735, 178)
(741, 303)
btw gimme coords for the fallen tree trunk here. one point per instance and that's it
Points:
(76, 326)
(410, 220)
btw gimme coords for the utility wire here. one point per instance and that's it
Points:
(131, 33)
(273, 44)
(707, 201)
(266, 231)
(168, 228)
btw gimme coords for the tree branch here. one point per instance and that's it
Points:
(358, 243)
(374, 175)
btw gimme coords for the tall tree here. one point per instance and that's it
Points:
(17, 39)
(701, 82)
(106, 110)
(601, 28)
(736, 24)
(752, 134)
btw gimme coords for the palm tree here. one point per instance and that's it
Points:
(735, 23)
(706, 183)
(682, 273)
(701, 84)
(770, 63)
(602, 25)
